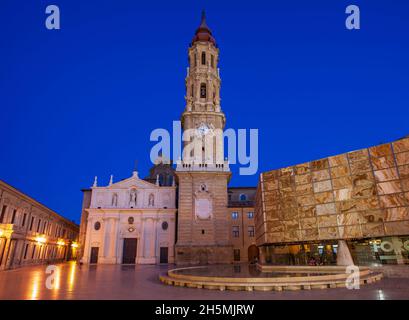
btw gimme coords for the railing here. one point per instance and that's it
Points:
(202, 166)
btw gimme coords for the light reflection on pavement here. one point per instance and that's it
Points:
(73, 281)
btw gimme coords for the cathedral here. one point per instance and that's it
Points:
(346, 208)
(176, 215)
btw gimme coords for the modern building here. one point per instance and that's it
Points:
(130, 221)
(31, 233)
(357, 201)
(242, 226)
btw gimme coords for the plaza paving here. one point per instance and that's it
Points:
(73, 281)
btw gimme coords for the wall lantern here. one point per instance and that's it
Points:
(41, 239)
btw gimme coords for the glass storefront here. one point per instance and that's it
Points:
(376, 251)
(303, 254)
(386, 250)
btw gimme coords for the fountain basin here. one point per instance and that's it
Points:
(265, 277)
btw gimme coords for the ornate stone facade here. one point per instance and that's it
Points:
(131, 221)
(203, 229)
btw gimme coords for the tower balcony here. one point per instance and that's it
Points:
(182, 165)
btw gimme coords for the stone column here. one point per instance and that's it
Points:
(344, 257)
(2, 249)
(149, 241)
(87, 241)
(262, 255)
(141, 240)
(10, 257)
(113, 242)
(154, 239)
(172, 240)
(107, 238)
(5, 252)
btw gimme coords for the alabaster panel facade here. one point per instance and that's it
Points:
(359, 194)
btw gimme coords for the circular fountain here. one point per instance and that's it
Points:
(268, 278)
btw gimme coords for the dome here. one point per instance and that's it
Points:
(203, 33)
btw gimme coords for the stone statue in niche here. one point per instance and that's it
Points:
(114, 202)
(133, 198)
(151, 202)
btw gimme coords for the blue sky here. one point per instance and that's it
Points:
(82, 101)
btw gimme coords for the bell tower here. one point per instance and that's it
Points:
(203, 174)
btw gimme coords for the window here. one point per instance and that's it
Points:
(203, 58)
(236, 254)
(45, 226)
(34, 250)
(203, 90)
(235, 215)
(13, 217)
(236, 232)
(195, 60)
(38, 225)
(24, 219)
(243, 197)
(212, 61)
(250, 231)
(192, 91)
(97, 225)
(25, 251)
(3, 212)
(31, 223)
(250, 215)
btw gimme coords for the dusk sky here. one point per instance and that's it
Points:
(82, 101)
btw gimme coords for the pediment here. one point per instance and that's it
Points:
(132, 182)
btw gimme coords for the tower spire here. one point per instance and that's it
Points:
(203, 22)
(203, 32)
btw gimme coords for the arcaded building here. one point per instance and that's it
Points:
(31, 233)
(304, 212)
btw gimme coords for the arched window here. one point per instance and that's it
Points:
(203, 90)
(203, 58)
(161, 180)
(243, 197)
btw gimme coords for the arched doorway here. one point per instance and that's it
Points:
(253, 253)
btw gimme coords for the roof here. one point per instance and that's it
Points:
(203, 32)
